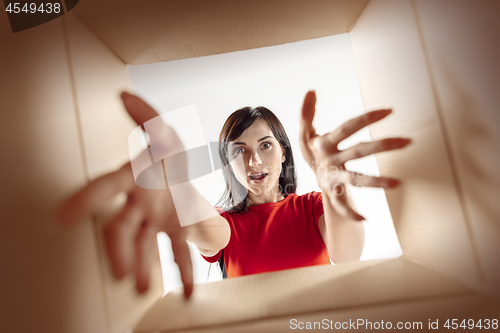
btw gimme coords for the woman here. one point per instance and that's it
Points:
(271, 227)
(260, 177)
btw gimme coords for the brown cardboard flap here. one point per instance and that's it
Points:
(419, 314)
(50, 279)
(427, 211)
(99, 77)
(462, 47)
(143, 33)
(292, 292)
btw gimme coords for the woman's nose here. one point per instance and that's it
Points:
(254, 160)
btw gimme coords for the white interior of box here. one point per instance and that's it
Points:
(277, 77)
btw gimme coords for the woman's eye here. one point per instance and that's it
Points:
(266, 145)
(238, 150)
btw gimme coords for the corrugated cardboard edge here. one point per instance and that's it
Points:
(275, 296)
(143, 33)
(426, 209)
(462, 51)
(99, 77)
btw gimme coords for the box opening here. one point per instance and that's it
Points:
(276, 77)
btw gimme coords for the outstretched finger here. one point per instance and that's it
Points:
(338, 199)
(359, 179)
(119, 236)
(182, 257)
(91, 197)
(307, 131)
(308, 111)
(352, 126)
(139, 110)
(367, 148)
(163, 140)
(144, 243)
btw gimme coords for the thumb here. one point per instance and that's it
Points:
(139, 110)
(308, 111)
(163, 140)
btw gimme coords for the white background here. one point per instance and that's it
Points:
(278, 78)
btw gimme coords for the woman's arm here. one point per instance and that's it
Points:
(343, 237)
(129, 236)
(209, 235)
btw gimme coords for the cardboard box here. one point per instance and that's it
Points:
(435, 62)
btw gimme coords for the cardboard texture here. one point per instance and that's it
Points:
(302, 290)
(142, 33)
(392, 72)
(98, 78)
(71, 129)
(468, 106)
(433, 62)
(51, 278)
(415, 313)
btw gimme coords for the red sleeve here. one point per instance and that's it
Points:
(318, 205)
(213, 259)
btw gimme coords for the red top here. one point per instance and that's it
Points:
(275, 236)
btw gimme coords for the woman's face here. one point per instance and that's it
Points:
(256, 157)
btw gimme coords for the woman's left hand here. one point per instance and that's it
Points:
(328, 162)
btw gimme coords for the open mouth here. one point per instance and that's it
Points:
(258, 177)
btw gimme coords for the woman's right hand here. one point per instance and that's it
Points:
(328, 162)
(131, 234)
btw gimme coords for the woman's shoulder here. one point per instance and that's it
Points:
(310, 200)
(222, 212)
(228, 214)
(313, 195)
(312, 203)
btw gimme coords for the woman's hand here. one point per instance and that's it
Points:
(131, 234)
(328, 162)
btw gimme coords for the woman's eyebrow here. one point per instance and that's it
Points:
(242, 143)
(265, 137)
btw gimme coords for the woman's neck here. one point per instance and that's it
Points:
(272, 196)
